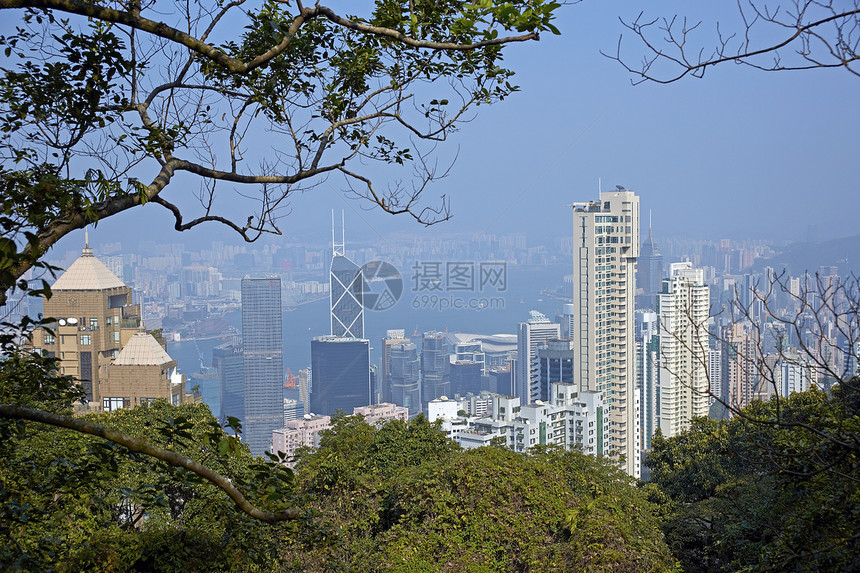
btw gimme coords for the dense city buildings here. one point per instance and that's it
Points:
(530, 335)
(263, 361)
(341, 374)
(95, 317)
(404, 375)
(739, 364)
(194, 296)
(435, 366)
(572, 419)
(555, 364)
(649, 272)
(683, 307)
(605, 248)
(648, 374)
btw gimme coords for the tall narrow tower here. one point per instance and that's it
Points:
(346, 291)
(605, 247)
(649, 272)
(263, 361)
(684, 308)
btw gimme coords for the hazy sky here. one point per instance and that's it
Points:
(739, 154)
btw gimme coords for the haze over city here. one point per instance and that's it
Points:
(613, 324)
(739, 154)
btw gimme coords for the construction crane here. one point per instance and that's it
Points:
(292, 379)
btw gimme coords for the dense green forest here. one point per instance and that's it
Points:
(772, 489)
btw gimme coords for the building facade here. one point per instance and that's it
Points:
(404, 376)
(142, 373)
(341, 374)
(262, 361)
(435, 366)
(531, 334)
(648, 374)
(555, 364)
(346, 297)
(605, 249)
(95, 317)
(228, 359)
(572, 419)
(683, 308)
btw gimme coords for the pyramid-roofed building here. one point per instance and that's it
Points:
(87, 273)
(142, 349)
(142, 373)
(95, 316)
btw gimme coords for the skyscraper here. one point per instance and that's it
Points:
(341, 374)
(435, 366)
(683, 307)
(346, 293)
(392, 337)
(605, 247)
(404, 375)
(531, 334)
(739, 357)
(555, 364)
(649, 273)
(263, 361)
(648, 373)
(228, 359)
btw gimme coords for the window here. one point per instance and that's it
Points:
(111, 404)
(86, 340)
(48, 339)
(116, 336)
(94, 323)
(107, 321)
(147, 401)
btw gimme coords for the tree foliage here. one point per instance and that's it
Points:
(103, 104)
(403, 498)
(71, 502)
(772, 490)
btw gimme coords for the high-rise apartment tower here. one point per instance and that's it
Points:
(683, 307)
(605, 247)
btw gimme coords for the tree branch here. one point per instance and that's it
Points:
(142, 446)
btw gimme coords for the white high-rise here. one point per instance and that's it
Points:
(605, 247)
(683, 307)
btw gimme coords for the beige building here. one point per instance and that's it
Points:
(298, 433)
(605, 247)
(305, 432)
(95, 317)
(376, 413)
(741, 361)
(683, 307)
(141, 373)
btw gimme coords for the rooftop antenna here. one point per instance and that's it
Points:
(338, 249)
(87, 249)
